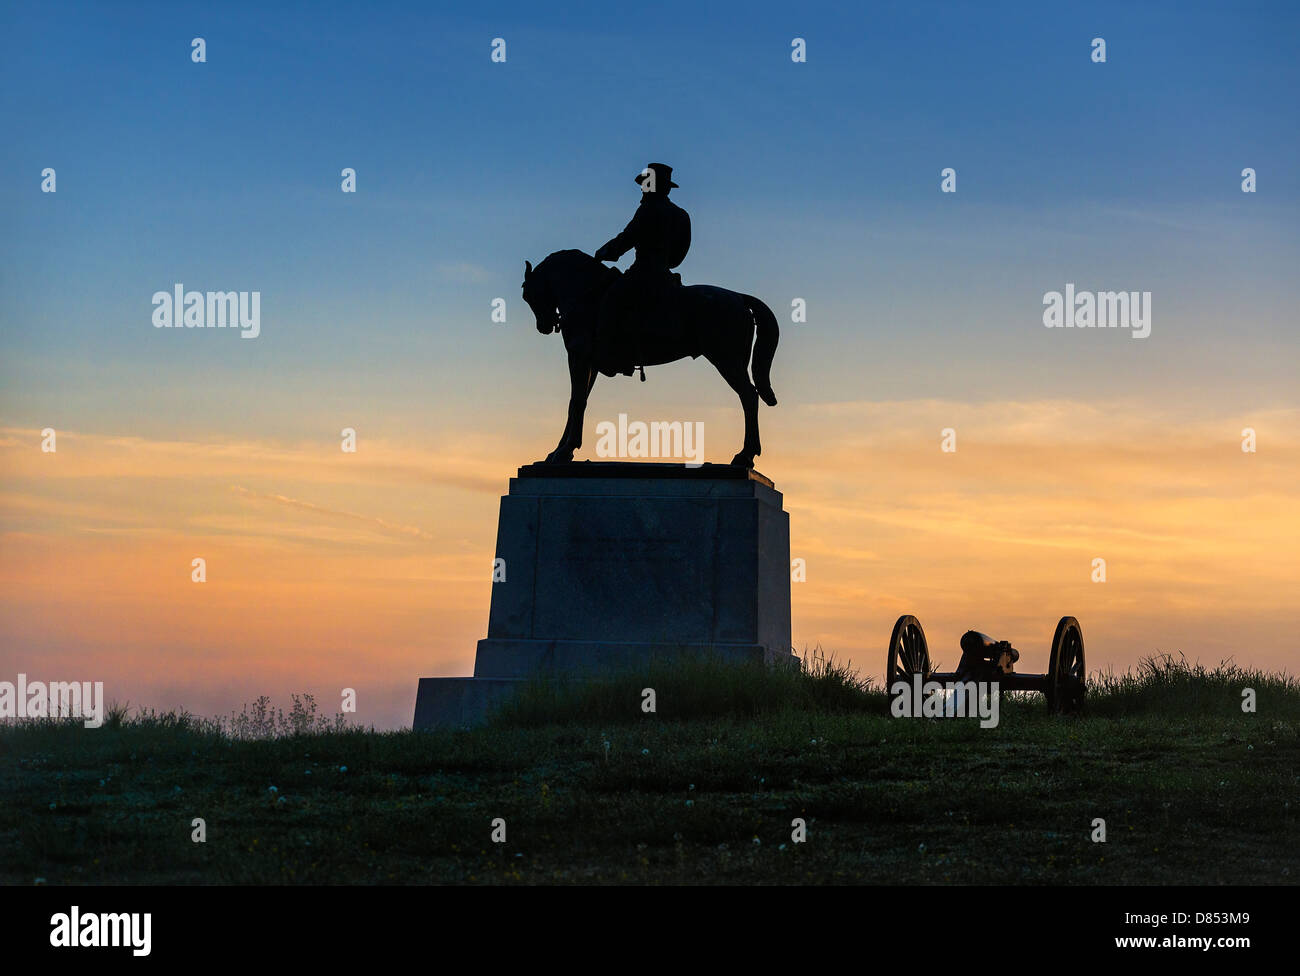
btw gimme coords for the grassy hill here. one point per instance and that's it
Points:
(592, 789)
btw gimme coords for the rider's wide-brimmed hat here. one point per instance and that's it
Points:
(663, 175)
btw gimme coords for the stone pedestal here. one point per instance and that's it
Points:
(609, 565)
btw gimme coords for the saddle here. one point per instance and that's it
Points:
(636, 313)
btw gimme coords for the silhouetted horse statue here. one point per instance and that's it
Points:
(565, 293)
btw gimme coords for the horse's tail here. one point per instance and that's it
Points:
(764, 348)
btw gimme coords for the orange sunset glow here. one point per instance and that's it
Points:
(325, 570)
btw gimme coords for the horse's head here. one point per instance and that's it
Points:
(538, 295)
(561, 289)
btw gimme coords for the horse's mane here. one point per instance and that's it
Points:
(566, 259)
(572, 262)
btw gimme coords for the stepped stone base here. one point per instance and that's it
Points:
(612, 565)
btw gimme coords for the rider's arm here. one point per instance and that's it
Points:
(624, 242)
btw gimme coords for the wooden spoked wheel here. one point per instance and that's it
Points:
(909, 654)
(1067, 675)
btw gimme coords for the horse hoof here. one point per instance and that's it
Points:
(558, 457)
(743, 460)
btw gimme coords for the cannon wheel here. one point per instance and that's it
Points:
(1067, 675)
(909, 654)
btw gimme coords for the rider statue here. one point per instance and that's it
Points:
(661, 233)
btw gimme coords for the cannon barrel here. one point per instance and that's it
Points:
(983, 647)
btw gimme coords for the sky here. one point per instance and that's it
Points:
(817, 180)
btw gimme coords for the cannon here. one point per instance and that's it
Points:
(988, 660)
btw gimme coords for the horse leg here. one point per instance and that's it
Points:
(737, 377)
(581, 379)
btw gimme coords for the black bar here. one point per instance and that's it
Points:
(270, 925)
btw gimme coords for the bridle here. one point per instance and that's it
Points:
(599, 283)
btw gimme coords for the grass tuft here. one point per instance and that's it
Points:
(696, 689)
(1162, 683)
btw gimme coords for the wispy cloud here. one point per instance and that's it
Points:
(466, 271)
(383, 524)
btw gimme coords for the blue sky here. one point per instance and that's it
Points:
(817, 180)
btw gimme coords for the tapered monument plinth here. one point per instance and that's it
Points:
(612, 565)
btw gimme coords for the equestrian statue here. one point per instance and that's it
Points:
(619, 323)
